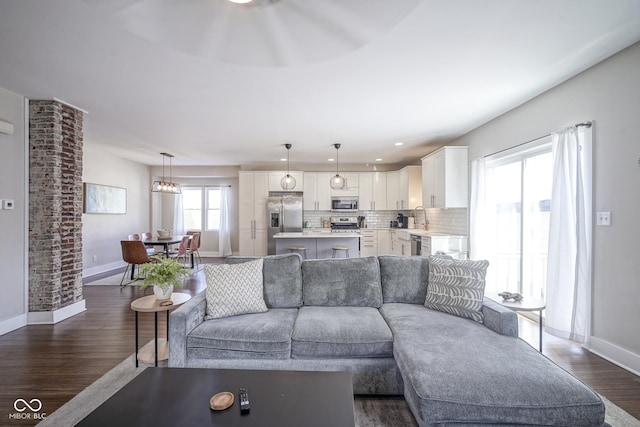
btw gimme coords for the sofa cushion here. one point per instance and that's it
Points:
(250, 336)
(458, 371)
(404, 279)
(342, 282)
(456, 287)
(336, 332)
(234, 289)
(282, 279)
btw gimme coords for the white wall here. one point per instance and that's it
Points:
(609, 94)
(13, 223)
(101, 233)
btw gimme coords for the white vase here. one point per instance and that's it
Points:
(162, 295)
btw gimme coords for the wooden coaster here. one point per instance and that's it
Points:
(166, 303)
(221, 401)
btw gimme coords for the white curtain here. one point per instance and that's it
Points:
(478, 223)
(178, 216)
(224, 234)
(481, 227)
(568, 313)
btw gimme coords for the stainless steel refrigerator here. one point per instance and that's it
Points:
(284, 214)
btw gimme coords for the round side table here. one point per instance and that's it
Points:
(157, 349)
(527, 304)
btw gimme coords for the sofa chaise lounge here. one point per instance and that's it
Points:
(368, 316)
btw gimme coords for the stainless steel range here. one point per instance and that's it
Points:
(341, 224)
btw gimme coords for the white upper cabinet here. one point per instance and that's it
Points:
(317, 192)
(275, 177)
(404, 188)
(445, 178)
(410, 180)
(372, 191)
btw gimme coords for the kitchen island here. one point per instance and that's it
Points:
(318, 243)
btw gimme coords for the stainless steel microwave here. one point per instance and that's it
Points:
(344, 203)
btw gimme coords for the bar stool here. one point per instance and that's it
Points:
(336, 249)
(299, 250)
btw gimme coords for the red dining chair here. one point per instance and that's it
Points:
(183, 250)
(151, 250)
(194, 246)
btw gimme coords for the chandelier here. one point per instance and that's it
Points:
(288, 182)
(166, 186)
(337, 182)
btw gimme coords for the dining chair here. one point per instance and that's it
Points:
(151, 250)
(134, 236)
(133, 253)
(183, 250)
(191, 233)
(194, 246)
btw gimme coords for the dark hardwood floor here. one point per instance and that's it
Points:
(55, 362)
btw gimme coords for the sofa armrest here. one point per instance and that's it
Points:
(499, 318)
(182, 321)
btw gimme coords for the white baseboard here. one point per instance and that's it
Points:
(12, 324)
(88, 272)
(55, 316)
(616, 355)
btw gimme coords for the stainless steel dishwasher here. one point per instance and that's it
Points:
(416, 245)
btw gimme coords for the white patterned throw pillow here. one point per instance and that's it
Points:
(234, 289)
(456, 287)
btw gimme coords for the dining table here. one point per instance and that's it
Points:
(166, 242)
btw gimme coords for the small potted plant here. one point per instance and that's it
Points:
(164, 274)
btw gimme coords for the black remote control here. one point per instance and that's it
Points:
(244, 401)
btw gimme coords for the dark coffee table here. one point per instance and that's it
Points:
(180, 397)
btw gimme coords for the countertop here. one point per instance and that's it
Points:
(312, 234)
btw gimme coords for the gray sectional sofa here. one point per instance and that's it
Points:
(367, 316)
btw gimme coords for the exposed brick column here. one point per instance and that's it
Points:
(55, 205)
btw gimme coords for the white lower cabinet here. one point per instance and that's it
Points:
(384, 242)
(400, 243)
(368, 242)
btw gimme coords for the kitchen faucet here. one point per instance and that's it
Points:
(426, 221)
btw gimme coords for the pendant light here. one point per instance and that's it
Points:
(337, 182)
(165, 186)
(288, 182)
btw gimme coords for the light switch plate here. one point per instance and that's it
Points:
(7, 204)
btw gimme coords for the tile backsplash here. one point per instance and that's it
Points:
(453, 221)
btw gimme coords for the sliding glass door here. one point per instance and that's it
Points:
(518, 195)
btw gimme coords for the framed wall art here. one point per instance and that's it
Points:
(103, 199)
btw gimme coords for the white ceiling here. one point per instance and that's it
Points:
(221, 84)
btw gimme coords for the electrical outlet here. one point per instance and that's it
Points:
(95, 258)
(603, 218)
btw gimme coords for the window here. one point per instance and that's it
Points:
(192, 208)
(213, 208)
(201, 208)
(518, 195)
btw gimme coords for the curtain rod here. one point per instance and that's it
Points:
(585, 124)
(206, 185)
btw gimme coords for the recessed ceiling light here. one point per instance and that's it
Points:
(399, 143)
(241, 1)
(378, 160)
(283, 160)
(331, 160)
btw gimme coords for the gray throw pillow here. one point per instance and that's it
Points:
(456, 287)
(234, 289)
